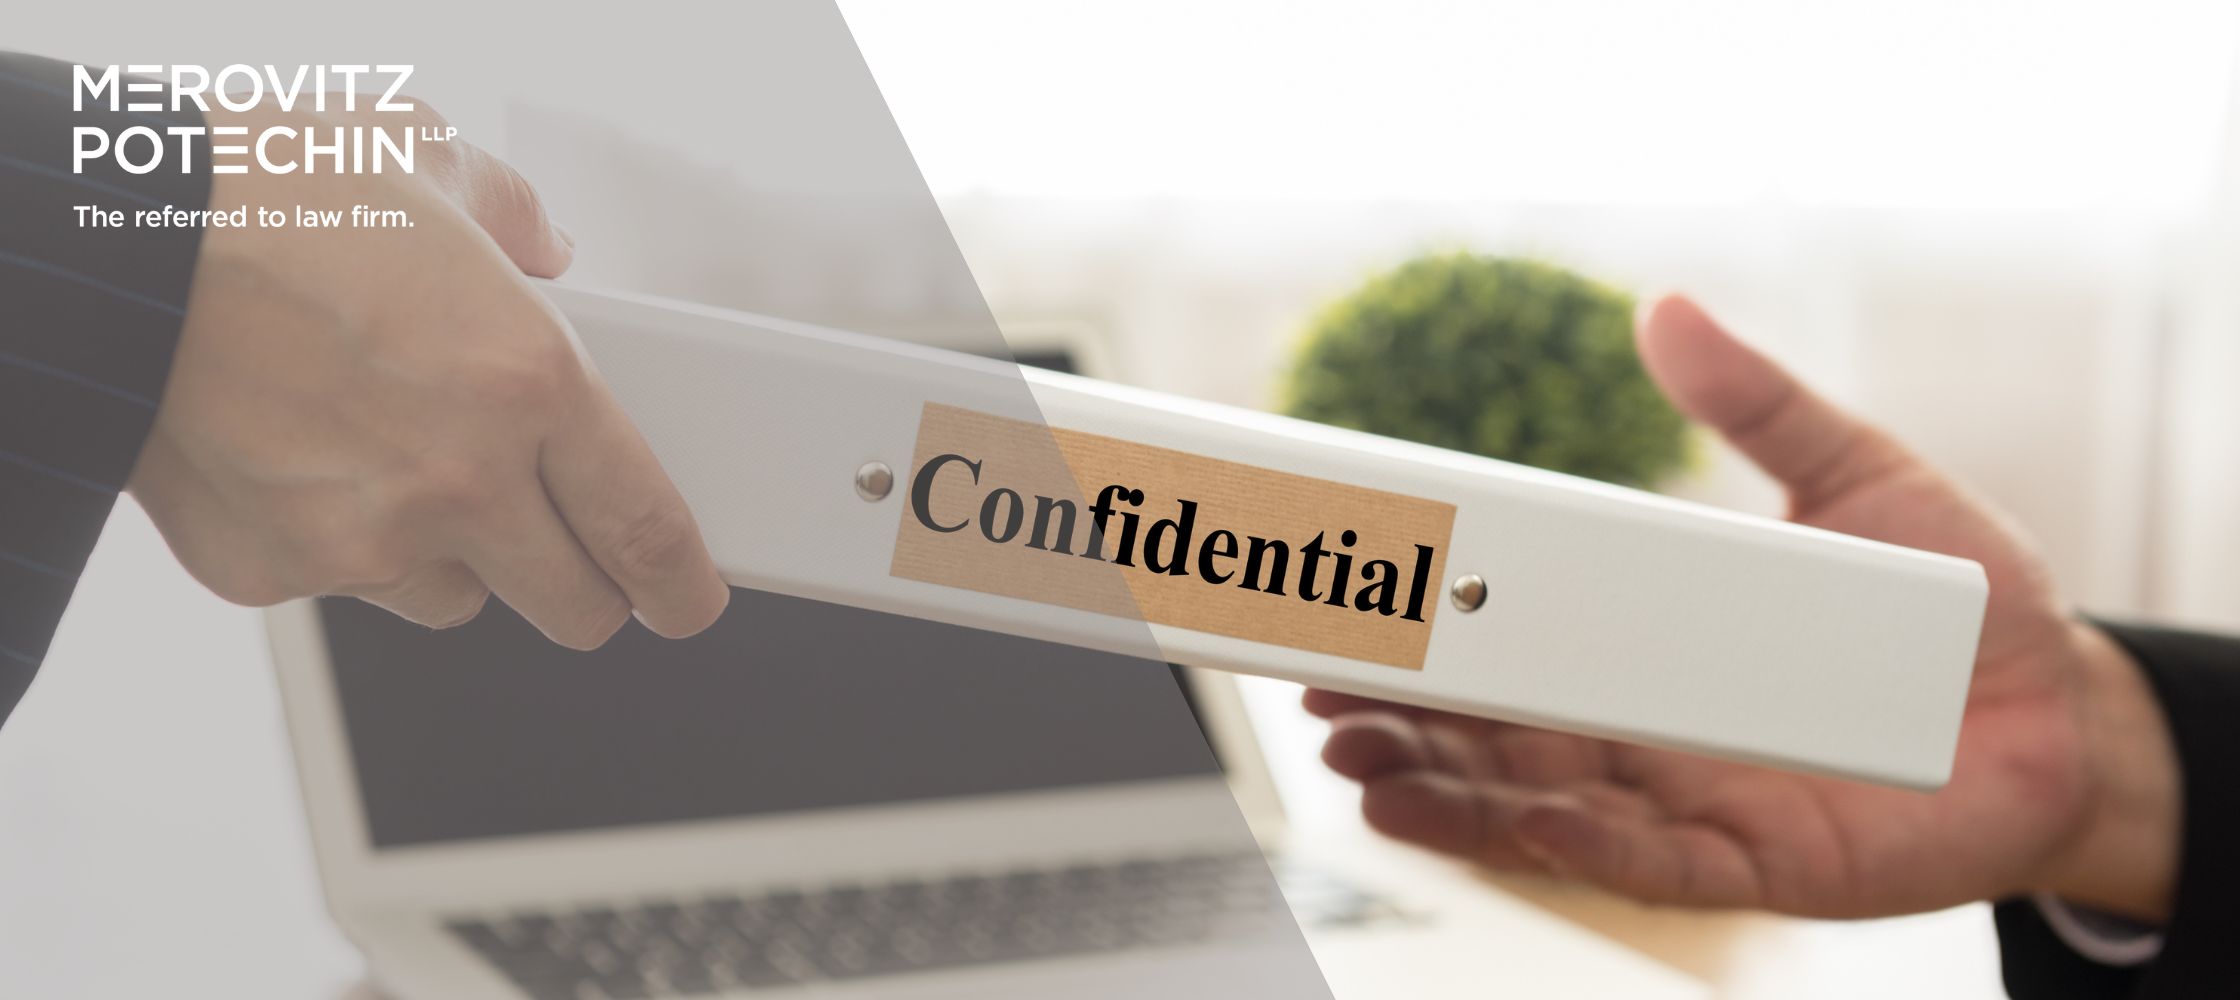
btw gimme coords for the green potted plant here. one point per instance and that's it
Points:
(1510, 358)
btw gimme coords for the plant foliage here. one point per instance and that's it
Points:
(1510, 358)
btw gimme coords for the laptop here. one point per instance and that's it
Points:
(815, 800)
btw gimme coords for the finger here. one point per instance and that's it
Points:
(1647, 858)
(1812, 447)
(1461, 744)
(1522, 755)
(441, 595)
(533, 562)
(1444, 813)
(615, 497)
(508, 207)
(1365, 746)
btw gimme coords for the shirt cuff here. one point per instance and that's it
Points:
(2101, 937)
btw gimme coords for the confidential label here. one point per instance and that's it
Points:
(1045, 514)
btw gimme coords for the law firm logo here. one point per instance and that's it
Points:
(138, 144)
(1013, 508)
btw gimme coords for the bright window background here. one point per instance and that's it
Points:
(1990, 105)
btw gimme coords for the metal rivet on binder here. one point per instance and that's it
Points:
(1469, 592)
(874, 480)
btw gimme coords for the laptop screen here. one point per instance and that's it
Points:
(489, 730)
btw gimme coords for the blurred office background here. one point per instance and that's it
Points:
(2009, 231)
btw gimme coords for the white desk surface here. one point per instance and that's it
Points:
(151, 845)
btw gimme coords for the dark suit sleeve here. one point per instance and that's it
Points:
(2197, 679)
(88, 321)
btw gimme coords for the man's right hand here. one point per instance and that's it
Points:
(2065, 782)
(396, 414)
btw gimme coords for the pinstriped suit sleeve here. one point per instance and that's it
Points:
(88, 322)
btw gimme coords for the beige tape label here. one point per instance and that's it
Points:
(1045, 514)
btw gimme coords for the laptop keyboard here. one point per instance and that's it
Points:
(728, 942)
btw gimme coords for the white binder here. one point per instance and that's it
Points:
(1604, 611)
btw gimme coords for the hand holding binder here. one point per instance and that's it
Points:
(397, 415)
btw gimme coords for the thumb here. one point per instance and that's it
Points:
(1815, 449)
(507, 207)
